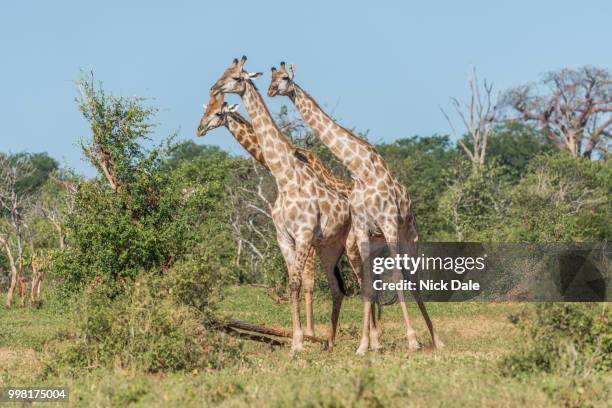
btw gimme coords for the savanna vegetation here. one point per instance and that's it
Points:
(118, 285)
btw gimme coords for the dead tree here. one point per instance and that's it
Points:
(39, 263)
(572, 107)
(14, 201)
(478, 115)
(250, 220)
(52, 215)
(56, 205)
(13, 272)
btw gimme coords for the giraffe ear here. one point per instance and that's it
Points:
(231, 108)
(252, 75)
(291, 71)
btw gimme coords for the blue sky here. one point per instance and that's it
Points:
(380, 66)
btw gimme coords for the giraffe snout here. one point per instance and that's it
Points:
(215, 90)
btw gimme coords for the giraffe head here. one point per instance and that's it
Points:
(234, 78)
(215, 114)
(282, 81)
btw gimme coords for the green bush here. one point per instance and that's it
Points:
(148, 208)
(194, 281)
(562, 199)
(566, 338)
(157, 323)
(477, 202)
(147, 247)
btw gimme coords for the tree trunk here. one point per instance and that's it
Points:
(39, 286)
(239, 253)
(37, 277)
(11, 289)
(23, 288)
(62, 240)
(14, 273)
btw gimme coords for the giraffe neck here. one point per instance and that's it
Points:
(323, 173)
(351, 150)
(245, 135)
(277, 152)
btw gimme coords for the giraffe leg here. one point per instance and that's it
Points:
(291, 254)
(363, 244)
(352, 253)
(330, 259)
(365, 329)
(374, 329)
(378, 318)
(410, 248)
(308, 280)
(302, 251)
(392, 238)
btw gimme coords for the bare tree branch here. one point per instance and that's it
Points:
(574, 111)
(15, 201)
(478, 116)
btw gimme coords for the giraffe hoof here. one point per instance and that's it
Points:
(362, 349)
(376, 348)
(413, 343)
(438, 345)
(361, 352)
(375, 345)
(297, 346)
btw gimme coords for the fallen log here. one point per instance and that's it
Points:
(254, 337)
(270, 331)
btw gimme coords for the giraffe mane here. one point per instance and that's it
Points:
(314, 101)
(241, 119)
(300, 156)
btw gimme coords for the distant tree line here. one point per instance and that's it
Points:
(531, 164)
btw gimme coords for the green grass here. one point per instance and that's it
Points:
(466, 373)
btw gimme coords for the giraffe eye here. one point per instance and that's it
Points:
(219, 114)
(237, 78)
(286, 78)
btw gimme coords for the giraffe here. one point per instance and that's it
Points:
(307, 213)
(380, 205)
(218, 113)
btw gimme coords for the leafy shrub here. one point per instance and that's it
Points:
(513, 145)
(147, 245)
(563, 199)
(157, 323)
(148, 208)
(194, 281)
(477, 201)
(567, 338)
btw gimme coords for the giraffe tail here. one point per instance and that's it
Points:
(340, 279)
(386, 298)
